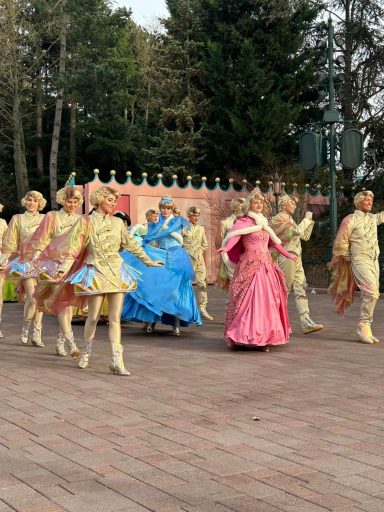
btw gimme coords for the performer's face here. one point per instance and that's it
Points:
(194, 218)
(366, 204)
(290, 207)
(166, 210)
(257, 206)
(154, 217)
(108, 204)
(31, 204)
(71, 204)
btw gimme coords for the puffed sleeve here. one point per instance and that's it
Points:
(40, 238)
(11, 239)
(379, 217)
(3, 229)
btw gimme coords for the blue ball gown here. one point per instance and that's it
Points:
(163, 293)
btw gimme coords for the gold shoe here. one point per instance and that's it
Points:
(205, 314)
(375, 340)
(309, 326)
(364, 333)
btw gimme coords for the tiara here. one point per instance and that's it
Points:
(166, 200)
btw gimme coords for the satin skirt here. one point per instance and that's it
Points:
(257, 313)
(162, 293)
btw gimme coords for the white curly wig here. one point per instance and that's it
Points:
(98, 196)
(285, 200)
(236, 205)
(360, 196)
(69, 193)
(39, 198)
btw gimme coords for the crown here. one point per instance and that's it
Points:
(166, 200)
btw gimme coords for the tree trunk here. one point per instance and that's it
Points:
(57, 121)
(22, 184)
(39, 126)
(16, 118)
(72, 136)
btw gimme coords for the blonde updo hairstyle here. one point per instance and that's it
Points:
(285, 200)
(150, 213)
(360, 196)
(98, 196)
(69, 193)
(254, 196)
(39, 198)
(1, 207)
(236, 205)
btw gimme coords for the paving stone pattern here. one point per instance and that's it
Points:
(181, 434)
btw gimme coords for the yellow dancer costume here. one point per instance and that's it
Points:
(98, 271)
(19, 231)
(225, 274)
(55, 224)
(291, 235)
(355, 263)
(195, 243)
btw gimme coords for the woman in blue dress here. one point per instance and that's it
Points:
(164, 294)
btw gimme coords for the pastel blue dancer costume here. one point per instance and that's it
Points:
(163, 294)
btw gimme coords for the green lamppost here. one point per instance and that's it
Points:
(313, 146)
(332, 117)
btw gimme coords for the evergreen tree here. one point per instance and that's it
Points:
(258, 69)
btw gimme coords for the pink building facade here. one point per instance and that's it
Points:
(214, 203)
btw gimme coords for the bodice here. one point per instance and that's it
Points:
(64, 221)
(168, 241)
(256, 246)
(105, 241)
(28, 224)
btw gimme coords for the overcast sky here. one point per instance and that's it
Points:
(144, 10)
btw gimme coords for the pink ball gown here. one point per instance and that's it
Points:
(257, 313)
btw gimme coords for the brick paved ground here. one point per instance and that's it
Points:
(179, 435)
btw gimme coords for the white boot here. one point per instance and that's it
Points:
(84, 359)
(364, 333)
(205, 314)
(25, 331)
(60, 345)
(176, 327)
(36, 335)
(117, 365)
(151, 327)
(72, 347)
(308, 325)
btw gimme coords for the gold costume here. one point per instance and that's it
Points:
(195, 243)
(291, 235)
(357, 242)
(225, 274)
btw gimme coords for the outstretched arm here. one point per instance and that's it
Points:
(282, 251)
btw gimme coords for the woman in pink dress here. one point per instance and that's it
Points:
(257, 314)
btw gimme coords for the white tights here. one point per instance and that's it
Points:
(30, 310)
(115, 305)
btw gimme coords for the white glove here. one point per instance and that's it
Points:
(308, 215)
